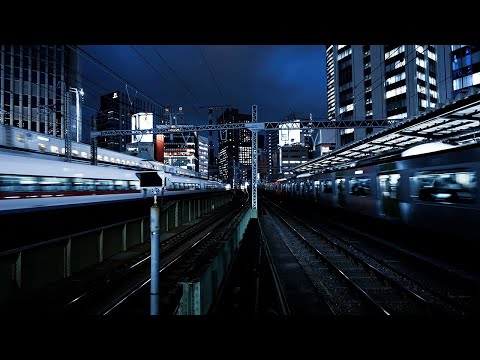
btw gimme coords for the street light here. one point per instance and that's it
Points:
(78, 93)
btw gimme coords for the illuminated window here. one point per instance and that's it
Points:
(394, 52)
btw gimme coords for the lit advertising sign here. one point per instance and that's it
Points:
(142, 121)
(289, 133)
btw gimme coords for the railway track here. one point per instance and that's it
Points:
(127, 291)
(351, 284)
(449, 285)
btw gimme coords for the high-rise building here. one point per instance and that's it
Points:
(292, 155)
(465, 69)
(272, 153)
(235, 149)
(383, 82)
(118, 111)
(262, 164)
(295, 145)
(202, 154)
(40, 87)
(180, 150)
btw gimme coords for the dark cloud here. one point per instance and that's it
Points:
(278, 78)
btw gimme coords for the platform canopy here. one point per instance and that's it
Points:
(455, 123)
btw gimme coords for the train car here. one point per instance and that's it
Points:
(26, 177)
(436, 191)
(41, 144)
(23, 177)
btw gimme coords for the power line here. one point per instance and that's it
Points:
(215, 80)
(145, 59)
(113, 73)
(48, 109)
(178, 77)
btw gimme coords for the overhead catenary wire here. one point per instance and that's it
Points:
(84, 85)
(211, 73)
(357, 99)
(90, 89)
(95, 61)
(179, 78)
(145, 59)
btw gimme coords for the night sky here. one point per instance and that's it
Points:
(279, 79)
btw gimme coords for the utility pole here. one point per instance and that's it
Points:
(155, 255)
(254, 162)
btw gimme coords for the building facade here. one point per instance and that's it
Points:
(202, 154)
(181, 150)
(40, 88)
(118, 111)
(465, 69)
(384, 82)
(235, 149)
(272, 153)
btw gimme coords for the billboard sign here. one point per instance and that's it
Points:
(142, 121)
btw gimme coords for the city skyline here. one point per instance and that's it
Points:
(279, 79)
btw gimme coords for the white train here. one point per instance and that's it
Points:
(30, 181)
(36, 143)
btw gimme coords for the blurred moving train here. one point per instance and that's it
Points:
(32, 142)
(26, 177)
(436, 191)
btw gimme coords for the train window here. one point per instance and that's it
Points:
(28, 183)
(83, 184)
(450, 187)
(389, 185)
(359, 186)
(10, 183)
(327, 186)
(340, 183)
(104, 185)
(134, 185)
(121, 185)
(51, 183)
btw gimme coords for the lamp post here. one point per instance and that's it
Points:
(78, 92)
(66, 123)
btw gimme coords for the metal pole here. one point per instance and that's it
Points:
(93, 144)
(254, 162)
(66, 122)
(155, 257)
(67, 132)
(78, 114)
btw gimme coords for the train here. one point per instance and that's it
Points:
(430, 190)
(27, 177)
(37, 144)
